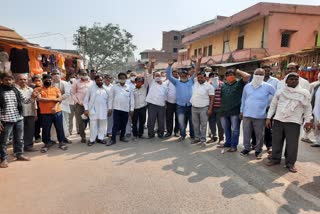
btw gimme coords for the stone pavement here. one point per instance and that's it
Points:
(158, 176)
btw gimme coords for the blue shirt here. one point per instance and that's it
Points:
(255, 101)
(183, 89)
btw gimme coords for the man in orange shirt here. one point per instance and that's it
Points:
(50, 109)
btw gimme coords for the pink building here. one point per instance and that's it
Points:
(261, 30)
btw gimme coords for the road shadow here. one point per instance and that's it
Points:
(296, 203)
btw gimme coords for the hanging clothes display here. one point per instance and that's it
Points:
(61, 63)
(52, 60)
(44, 61)
(19, 59)
(35, 67)
(4, 61)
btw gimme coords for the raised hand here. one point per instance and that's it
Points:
(200, 57)
(170, 62)
(153, 60)
(193, 59)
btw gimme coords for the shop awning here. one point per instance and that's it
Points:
(13, 39)
(9, 35)
(225, 65)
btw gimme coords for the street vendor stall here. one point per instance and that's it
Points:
(20, 56)
(308, 59)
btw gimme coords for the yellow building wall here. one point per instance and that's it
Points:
(252, 38)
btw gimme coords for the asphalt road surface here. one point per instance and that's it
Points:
(158, 176)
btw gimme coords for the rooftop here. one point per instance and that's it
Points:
(261, 9)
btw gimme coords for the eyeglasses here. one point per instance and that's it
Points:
(54, 74)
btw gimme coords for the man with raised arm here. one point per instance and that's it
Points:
(184, 89)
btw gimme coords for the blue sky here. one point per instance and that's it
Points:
(144, 19)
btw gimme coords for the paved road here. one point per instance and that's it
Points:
(158, 176)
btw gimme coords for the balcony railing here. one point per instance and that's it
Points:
(234, 56)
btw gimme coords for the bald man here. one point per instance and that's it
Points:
(29, 113)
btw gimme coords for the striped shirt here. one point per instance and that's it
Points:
(11, 112)
(217, 96)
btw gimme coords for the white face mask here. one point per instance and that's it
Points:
(215, 81)
(72, 80)
(207, 73)
(257, 80)
(133, 78)
(157, 79)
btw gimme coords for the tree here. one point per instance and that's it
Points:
(105, 47)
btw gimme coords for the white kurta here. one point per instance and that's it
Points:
(96, 101)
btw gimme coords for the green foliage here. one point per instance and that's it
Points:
(105, 47)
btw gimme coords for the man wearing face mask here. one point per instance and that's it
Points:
(202, 105)
(108, 84)
(79, 90)
(294, 67)
(71, 77)
(65, 88)
(231, 93)
(171, 108)
(184, 89)
(121, 105)
(36, 80)
(11, 118)
(253, 111)
(214, 119)
(50, 108)
(131, 82)
(207, 71)
(156, 99)
(290, 107)
(96, 105)
(140, 107)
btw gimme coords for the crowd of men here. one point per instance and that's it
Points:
(166, 103)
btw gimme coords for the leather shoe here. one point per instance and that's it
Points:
(123, 139)
(22, 158)
(167, 135)
(232, 150)
(111, 142)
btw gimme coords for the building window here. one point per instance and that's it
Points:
(285, 40)
(210, 50)
(175, 50)
(199, 51)
(195, 52)
(205, 51)
(182, 37)
(226, 47)
(144, 55)
(240, 42)
(175, 38)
